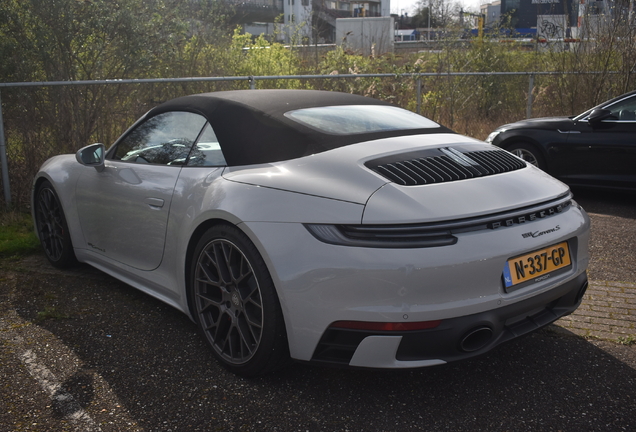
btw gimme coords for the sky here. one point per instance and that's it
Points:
(399, 6)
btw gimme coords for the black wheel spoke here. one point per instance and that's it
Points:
(244, 344)
(208, 301)
(207, 276)
(254, 328)
(223, 261)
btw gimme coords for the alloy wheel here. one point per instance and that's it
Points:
(228, 301)
(50, 224)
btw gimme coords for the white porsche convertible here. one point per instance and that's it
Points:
(321, 227)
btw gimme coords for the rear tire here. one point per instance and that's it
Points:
(528, 153)
(52, 228)
(235, 305)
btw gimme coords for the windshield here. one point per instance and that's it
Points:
(357, 119)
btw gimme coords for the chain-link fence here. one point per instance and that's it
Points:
(42, 119)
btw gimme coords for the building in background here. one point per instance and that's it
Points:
(491, 13)
(555, 19)
(366, 35)
(303, 21)
(523, 13)
(257, 16)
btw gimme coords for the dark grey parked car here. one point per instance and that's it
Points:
(595, 149)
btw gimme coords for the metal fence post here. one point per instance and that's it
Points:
(3, 160)
(252, 83)
(419, 95)
(530, 87)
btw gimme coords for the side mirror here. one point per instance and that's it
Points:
(92, 155)
(599, 114)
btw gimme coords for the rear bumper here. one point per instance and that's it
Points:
(454, 339)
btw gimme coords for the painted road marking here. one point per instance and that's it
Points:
(67, 404)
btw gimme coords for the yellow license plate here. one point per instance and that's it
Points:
(536, 264)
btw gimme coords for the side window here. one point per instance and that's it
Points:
(207, 151)
(624, 110)
(165, 139)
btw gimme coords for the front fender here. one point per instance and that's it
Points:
(62, 172)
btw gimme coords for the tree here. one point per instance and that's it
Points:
(72, 40)
(443, 13)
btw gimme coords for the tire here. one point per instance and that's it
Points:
(528, 153)
(235, 305)
(52, 228)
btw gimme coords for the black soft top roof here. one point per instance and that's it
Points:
(251, 126)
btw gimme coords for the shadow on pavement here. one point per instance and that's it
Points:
(164, 375)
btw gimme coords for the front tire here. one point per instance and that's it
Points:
(528, 153)
(52, 228)
(235, 304)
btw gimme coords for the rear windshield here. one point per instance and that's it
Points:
(357, 119)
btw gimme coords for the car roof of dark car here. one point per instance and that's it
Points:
(252, 128)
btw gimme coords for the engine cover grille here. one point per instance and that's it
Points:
(445, 165)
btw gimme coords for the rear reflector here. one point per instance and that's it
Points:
(385, 326)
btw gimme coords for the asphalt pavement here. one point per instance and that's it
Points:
(84, 352)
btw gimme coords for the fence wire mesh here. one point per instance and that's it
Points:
(43, 119)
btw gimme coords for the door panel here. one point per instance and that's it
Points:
(603, 155)
(124, 209)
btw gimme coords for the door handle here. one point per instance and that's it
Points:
(156, 203)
